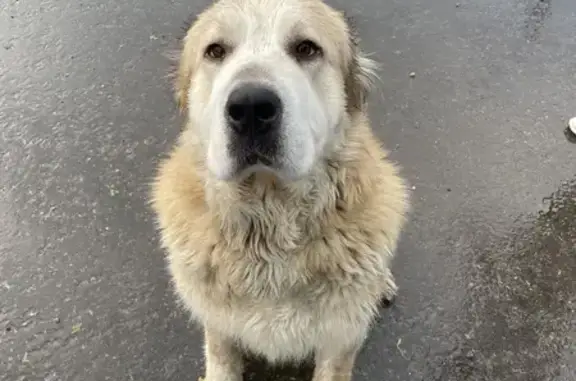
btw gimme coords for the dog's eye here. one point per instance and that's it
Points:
(306, 50)
(215, 52)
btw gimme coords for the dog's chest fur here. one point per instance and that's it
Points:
(282, 244)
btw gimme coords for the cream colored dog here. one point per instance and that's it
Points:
(279, 210)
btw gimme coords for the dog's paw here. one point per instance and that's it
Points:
(390, 291)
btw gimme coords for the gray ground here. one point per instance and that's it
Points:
(487, 266)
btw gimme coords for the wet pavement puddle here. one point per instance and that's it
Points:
(521, 312)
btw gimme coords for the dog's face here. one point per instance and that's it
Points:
(268, 84)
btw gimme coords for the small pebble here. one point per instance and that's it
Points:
(572, 125)
(412, 75)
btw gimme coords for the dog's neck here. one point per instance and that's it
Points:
(254, 210)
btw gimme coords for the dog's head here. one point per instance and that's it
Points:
(269, 84)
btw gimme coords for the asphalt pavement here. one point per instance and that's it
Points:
(486, 267)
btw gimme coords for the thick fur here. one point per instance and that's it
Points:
(284, 269)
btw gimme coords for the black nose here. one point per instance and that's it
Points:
(253, 109)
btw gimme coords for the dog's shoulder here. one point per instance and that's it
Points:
(370, 207)
(178, 198)
(371, 191)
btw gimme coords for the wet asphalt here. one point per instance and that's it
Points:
(487, 265)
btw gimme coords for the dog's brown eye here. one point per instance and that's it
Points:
(306, 50)
(215, 52)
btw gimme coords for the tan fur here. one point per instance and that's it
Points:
(284, 270)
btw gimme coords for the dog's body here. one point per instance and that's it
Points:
(279, 230)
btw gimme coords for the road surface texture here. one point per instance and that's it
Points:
(487, 266)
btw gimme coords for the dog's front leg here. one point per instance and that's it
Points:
(334, 366)
(222, 356)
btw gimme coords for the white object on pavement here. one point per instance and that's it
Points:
(572, 125)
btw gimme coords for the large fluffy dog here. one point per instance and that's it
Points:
(279, 210)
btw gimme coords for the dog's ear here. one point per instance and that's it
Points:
(182, 79)
(360, 73)
(183, 63)
(184, 67)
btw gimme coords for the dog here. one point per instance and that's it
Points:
(278, 208)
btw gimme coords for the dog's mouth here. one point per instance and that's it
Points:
(250, 162)
(253, 155)
(255, 158)
(254, 162)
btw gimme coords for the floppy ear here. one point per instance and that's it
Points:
(183, 74)
(183, 63)
(182, 79)
(361, 74)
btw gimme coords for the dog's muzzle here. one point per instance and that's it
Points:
(254, 117)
